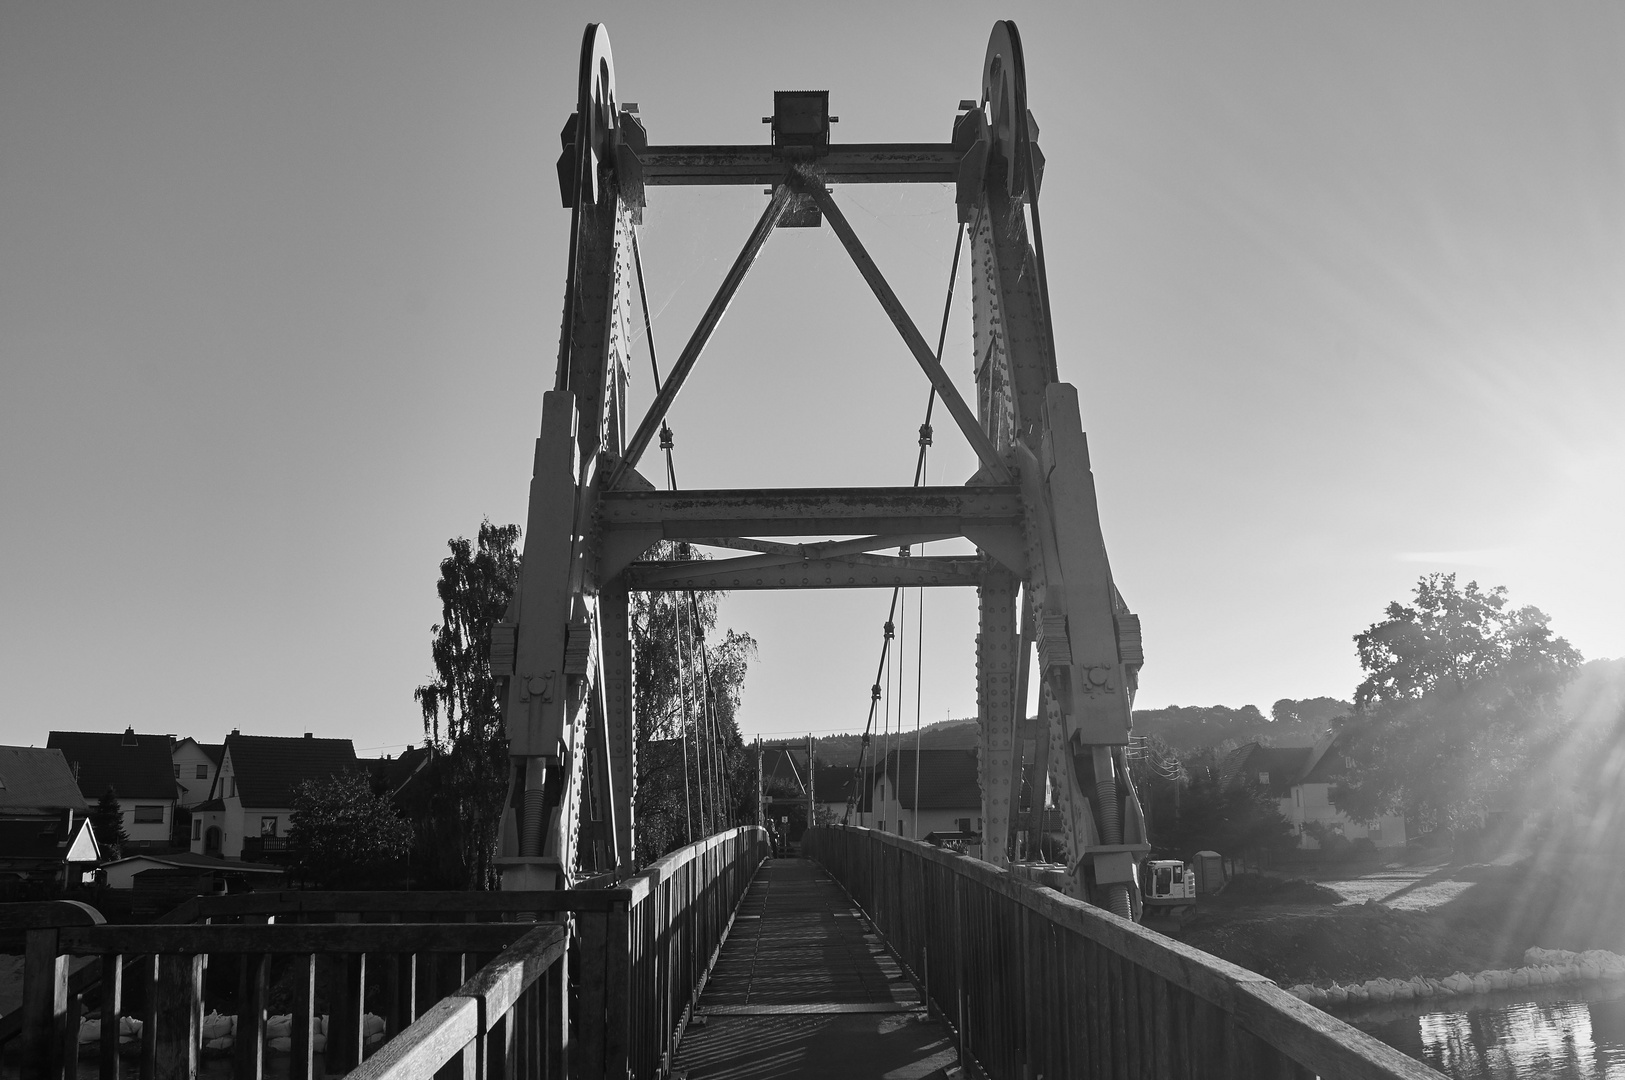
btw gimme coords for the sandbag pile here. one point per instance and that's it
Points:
(219, 1032)
(1542, 967)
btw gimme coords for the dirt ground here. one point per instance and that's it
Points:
(1399, 921)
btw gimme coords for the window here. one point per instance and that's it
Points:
(197, 829)
(202, 772)
(963, 824)
(232, 792)
(149, 815)
(268, 826)
(1263, 778)
(177, 772)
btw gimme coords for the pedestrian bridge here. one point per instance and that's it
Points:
(871, 956)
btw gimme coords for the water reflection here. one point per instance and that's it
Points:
(1562, 1034)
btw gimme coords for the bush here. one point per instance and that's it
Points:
(1334, 845)
(1362, 848)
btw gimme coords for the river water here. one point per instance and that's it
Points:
(1567, 1032)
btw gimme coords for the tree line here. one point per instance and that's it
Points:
(440, 830)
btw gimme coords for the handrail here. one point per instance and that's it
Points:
(503, 1016)
(1034, 982)
(637, 954)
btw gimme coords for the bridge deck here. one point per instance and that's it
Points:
(804, 988)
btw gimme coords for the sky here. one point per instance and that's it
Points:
(1340, 287)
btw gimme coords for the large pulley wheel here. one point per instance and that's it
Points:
(1004, 94)
(597, 113)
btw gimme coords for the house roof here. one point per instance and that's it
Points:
(785, 764)
(947, 777)
(1326, 763)
(390, 774)
(36, 778)
(203, 862)
(268, 768)
(213, 751)
(49, 840)
(136, 766)
(1284, 765)
(835, 783)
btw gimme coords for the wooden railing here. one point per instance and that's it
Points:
(676, 914)
(636, 955)
(1034, 983)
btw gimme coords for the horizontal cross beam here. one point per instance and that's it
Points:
(843, 572)
(854, 163)
(696, 514)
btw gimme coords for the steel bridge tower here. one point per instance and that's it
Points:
(1041, 569)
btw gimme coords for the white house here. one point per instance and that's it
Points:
(250, 806)
(137, 768)
(196, 766)
(1300, 780)
(947, 796)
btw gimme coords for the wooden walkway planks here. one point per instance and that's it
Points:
(805, 988)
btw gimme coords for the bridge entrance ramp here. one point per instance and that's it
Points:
(804, 987)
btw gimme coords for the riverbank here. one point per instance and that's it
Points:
(1431, 921)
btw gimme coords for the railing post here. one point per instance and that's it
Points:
(248, 1046)
(173, 1014)
(618, 990)
(112, 1005)
(556, 1022)
(593, 961)
(45, 1007)
(301, 1066)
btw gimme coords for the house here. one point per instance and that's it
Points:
(233, 874)
(138, 768)
(196, 765)
(947, 797)
(389, 775)
(1300, 780)
(250, 805)
(44, 821)
(834, 790)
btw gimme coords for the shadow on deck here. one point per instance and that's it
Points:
(804, 987)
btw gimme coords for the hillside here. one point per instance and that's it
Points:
(1192, 727)
(844, 749)
(1184, 728)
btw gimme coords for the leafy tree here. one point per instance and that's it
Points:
(107, 822)
(690, 760)
(346, 834)
(459, 807)
(693, 775)
(1458, 705)
(1316, 713)
(1238, 820)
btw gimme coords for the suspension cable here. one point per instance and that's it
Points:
(919, 472)
(713, 720)
(682, 730)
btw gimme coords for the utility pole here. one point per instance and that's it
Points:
(812, 802)
(761, 814)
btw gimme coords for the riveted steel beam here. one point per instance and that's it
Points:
(842, 572)
(855, 163)
(692, 515)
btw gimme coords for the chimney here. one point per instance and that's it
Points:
(308, 735)
(236, 731)
(129, 738)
